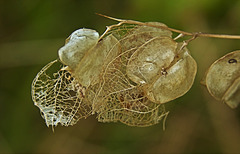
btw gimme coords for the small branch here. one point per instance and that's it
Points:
(185, 43)
(223, 36)
(109, 28)
(179, 36)
(182, 33)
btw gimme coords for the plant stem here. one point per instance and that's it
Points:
(184, 33)
(223, 36)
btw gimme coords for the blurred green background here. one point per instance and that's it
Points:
(31, 32)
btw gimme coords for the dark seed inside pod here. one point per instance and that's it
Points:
(232, 61)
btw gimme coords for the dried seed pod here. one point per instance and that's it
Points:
(77, 44)
(167, 70)
(223, 79)
(150, 59)
(89, 68)
(174, 80)
(157, 61)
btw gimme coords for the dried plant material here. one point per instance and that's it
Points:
(59, 97)
(175, 79)
(115, 103)
(77, 44)
(125, 76)
(150, 59)
(89, 68)
(165, 68)
(223, 79)
(117, 98)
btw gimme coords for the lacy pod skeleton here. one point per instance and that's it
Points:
(125, 75)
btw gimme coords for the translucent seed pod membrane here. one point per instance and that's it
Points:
(126, 76)
(77, 44)
(223, 79)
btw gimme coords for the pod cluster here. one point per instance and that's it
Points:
(127, 76)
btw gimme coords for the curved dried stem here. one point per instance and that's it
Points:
(182, 33)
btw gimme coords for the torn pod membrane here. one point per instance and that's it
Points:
(223, 79)
(126, 76)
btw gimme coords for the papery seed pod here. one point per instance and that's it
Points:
(167, 70)
(77, 45)
(89, 68)
(85, 56)
(149, 60)
(223, 79)
(157, 61)
(174, 80)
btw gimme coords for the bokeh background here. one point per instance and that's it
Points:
(31, 32)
